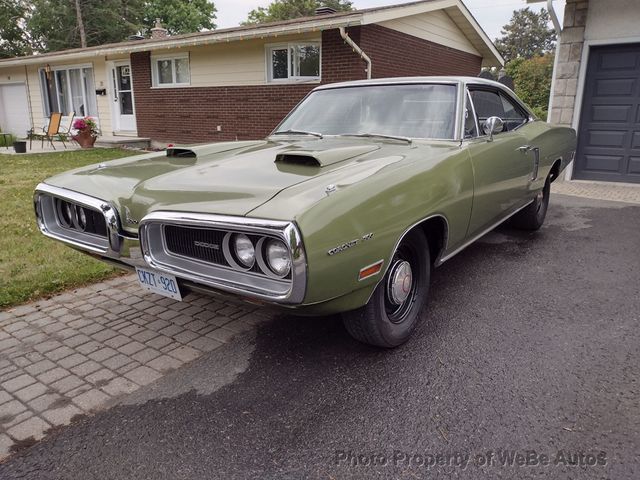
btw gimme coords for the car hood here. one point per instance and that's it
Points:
(231, 178)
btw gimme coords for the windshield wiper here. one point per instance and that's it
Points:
(378, 135)
(297, 132)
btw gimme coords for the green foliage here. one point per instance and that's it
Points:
(53, 25)
(532, 80)
(180, 16)
(526, 35)
(14, 40)
(289, 9)
(7, 140)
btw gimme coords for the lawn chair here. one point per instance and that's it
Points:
(51, 131)
(65, 135)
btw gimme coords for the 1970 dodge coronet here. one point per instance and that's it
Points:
(345, 207)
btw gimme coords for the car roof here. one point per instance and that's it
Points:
(405, 80)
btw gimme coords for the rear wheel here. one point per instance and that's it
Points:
(394, 308)
(532, 217)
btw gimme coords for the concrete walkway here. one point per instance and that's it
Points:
(617, 192)
(78, 352)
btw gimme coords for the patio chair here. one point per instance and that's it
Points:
(65, 135)
(48, 133)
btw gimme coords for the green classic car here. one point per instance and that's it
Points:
(346, 207)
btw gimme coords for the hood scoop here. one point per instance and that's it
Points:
(210, 149)
(323, 158)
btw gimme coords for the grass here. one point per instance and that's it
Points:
(31, 265)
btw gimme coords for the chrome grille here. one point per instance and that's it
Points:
(199, 243)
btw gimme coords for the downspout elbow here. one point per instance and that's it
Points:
(554, 18)
(345, 36)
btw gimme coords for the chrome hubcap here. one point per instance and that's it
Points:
(400, 282)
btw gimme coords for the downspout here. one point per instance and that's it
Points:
(558, 28)
(357, 49)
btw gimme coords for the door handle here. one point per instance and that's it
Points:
(525, 148)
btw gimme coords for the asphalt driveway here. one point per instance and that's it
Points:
(526, 366)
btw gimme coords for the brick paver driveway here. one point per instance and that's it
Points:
(79, 351)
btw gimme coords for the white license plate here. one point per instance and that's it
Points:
(158, 282)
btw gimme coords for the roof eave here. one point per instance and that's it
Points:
(165, 44)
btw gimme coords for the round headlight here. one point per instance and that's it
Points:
(65, 214)
(243, 248)
(278, 257)
(82, 218)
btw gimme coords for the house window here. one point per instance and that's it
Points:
(69, 89)
(294, 62)
(171, 71)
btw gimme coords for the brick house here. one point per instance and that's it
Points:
(596, 87)
(238, 83)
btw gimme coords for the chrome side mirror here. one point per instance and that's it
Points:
(491, 126)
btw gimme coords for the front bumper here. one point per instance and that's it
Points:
(130, 251)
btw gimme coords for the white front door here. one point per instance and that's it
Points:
(14, 109)
(124, 109)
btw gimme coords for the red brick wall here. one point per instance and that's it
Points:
(247, 112)
(396, 54)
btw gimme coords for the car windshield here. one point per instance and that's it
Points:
(409, 110)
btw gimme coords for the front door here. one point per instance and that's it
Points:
(124, 110)
(502, 167)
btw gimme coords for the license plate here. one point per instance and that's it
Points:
(157, 282)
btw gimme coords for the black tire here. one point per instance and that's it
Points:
(532, 217)
(383, 323)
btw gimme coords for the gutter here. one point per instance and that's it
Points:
(554, 17)
(558, 27)
(345, 36)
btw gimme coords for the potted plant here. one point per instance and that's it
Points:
(87, 132)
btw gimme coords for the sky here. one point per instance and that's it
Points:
(490, 14)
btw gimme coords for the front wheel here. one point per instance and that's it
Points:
(394, 308)
(532, 217)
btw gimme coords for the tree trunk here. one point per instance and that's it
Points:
(83, 35)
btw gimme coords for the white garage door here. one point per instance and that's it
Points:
(14, 109)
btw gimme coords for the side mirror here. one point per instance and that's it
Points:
(491, 126)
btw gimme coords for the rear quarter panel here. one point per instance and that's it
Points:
(555, 143)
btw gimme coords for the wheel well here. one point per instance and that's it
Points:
(436, 231)
(555, 170)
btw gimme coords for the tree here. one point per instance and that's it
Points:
(532, 81)
(14, 40)
(288, 9)
(527, 35)
(55, 24)
(180, 16)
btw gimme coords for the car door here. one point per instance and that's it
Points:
(501, 165)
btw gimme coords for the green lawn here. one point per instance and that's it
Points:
(32, 265)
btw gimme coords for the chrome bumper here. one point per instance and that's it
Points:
(127, 250)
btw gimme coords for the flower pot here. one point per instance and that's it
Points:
(20, 146)
(84, 138)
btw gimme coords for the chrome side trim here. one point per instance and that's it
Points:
(482, 234)
(223, 278)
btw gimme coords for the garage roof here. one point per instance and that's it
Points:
(456, 10)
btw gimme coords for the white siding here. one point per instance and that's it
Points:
(436, 27)
(234, 63)
(613, 19)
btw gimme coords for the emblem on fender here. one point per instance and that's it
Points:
(350, 244)
(128, 218)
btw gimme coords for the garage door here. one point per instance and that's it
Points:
(14, 109)
(609, 132)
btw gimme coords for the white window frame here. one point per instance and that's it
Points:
(155, 75)
(56, 68)
(291, 79)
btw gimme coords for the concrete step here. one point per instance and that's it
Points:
(113, 141)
